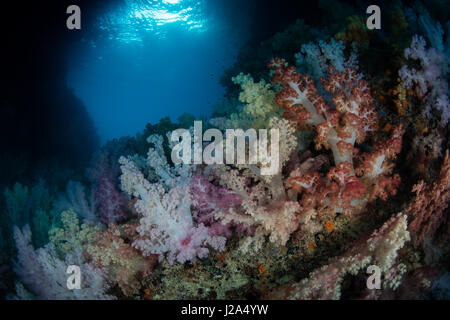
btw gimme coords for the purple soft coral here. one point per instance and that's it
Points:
(207, 199)
(111, 204)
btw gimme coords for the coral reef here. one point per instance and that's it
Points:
(325, 283)
(167, 226)
(346, 188)
(361, 121)
(314, 59)
(429, 208)
(44, 274)
(429, 82)
(127, 266)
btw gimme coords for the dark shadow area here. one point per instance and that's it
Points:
(43, 125)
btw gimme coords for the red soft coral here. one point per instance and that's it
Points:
(345, 188)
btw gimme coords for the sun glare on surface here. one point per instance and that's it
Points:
(132, 21)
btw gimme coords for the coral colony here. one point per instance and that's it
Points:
(310, 174)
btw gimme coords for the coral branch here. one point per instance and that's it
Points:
(429, 208)
(345, 189)
(325, 283)
(166, 226)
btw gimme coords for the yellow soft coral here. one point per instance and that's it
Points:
(259, 104)
(72, 237)
(356, 32)
(400, 101)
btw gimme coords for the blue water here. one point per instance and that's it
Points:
(150, 59)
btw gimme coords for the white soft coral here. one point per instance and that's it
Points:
(166, 226)
(430, 81)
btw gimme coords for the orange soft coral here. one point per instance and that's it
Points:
(127, 264)
(339, 128)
